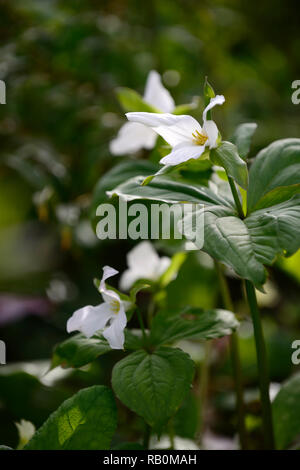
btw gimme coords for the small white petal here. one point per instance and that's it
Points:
(174, 129)
(218, 99)
(212, 133)
(157, 95)
(89, 319)
(142, 255)
(115, 332)
(143, 263)
(128, 278)
(163, 265)
(108, 294)
(132, 137)
(183, 153)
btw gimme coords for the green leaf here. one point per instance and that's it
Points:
(286, 413)
(165, 190)
(78, 350)
(86, 421)
(227, 239)
(185, 421)
(208, 92)
(275, 174)
(226, 155)
(130, 100)
(190, 172)
(137, 287)
(168, 327)
(153, 385)
(242, 138)
(117, 175)
(2, 447)
(275, 230)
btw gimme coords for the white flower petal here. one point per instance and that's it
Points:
(128, 278)
(164, 263)
(108, 294)
(212, 133)
(143, 263)
(174, 129)
(142, 255)
(89, 319)
(115, 332)
(157, 95)
(183, 153)
(132, 137)
(218, 99)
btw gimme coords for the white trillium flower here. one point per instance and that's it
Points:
(110, 315)
(185, 135)
(26, 430)
(134, 136)
(143, 263)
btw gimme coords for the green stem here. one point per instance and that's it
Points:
(141, 322)
(147, 436)
(235, 358)
(262, 363)
(204, 381)
(236, 197)
(151, 310)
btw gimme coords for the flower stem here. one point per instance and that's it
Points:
(141, 322)
(147, 435)
(262, 364)
(235, 358)
(204, 383)
(236, 197)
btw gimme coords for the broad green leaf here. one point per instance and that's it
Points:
(165, 190)
(117, 175)
(185, 421)
(190, 172)
(153, 385)
(78, 350)
(286, 413)
(275, 230)
(226, 155)
(242, 138)
(247, 245)
(130, 100)
(227, 239)
(2, 447)
(86, 421)
(168, 327)
(278, 195)
(275, 174)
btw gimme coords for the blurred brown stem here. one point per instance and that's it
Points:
(235, 358)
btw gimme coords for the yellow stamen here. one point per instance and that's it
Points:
(115, 306)
(198, 138)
